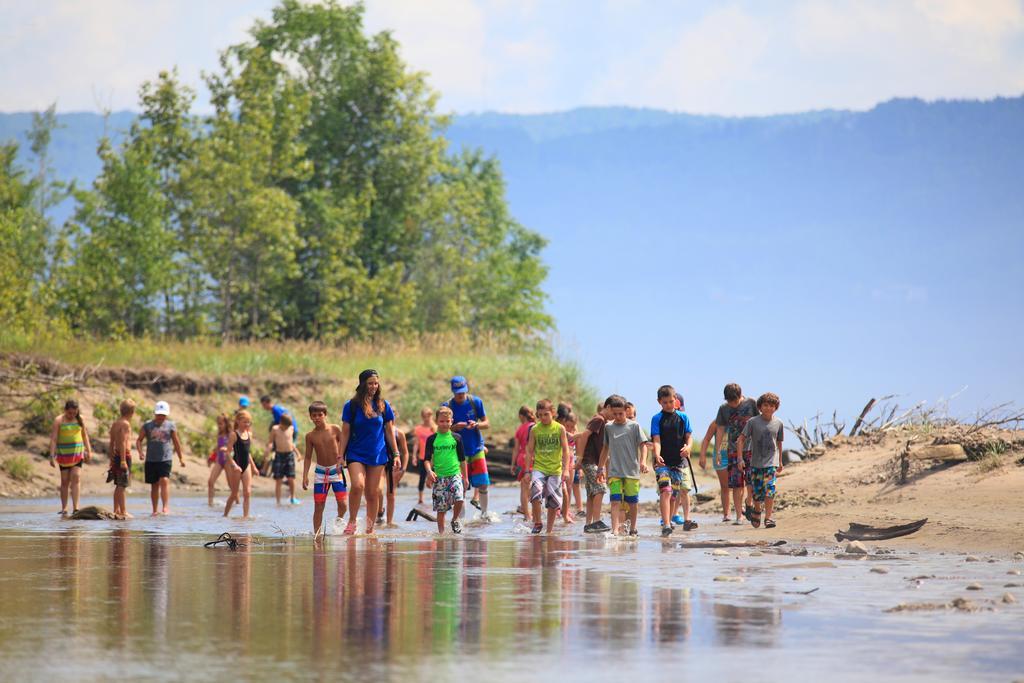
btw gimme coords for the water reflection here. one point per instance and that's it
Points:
(406, 601)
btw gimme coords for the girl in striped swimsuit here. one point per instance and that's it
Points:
(69, 448)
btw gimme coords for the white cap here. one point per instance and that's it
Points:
(162, 408)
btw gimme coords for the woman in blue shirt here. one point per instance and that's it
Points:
(367, 443)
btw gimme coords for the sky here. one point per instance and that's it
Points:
(526, 56)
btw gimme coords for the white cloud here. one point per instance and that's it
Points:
(446, 38)
(741, 57)
(73, 52)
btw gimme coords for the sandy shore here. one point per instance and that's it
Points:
(970, 507)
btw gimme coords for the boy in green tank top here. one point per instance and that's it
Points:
(445, 462)
(547, 458)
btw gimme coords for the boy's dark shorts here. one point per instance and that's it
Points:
(120, 477)
(284, 465)
(155, 471)
(738, 479)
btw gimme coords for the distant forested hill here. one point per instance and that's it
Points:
(904, 158)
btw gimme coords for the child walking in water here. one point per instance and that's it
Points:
(762, 435)
(120, 449)
(161, 438)
(324, 442)
(445, 461)
(220, 455)
(547, 453)
(393, 475)
(567, 419)
(69, 448)
(622, 453)
(522, 475)
(422, 432)
(241, 468)
(282, 443)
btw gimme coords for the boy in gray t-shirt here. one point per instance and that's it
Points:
(762, 435)
(622, 453)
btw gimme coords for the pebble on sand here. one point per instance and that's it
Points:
(879, 570)
(730, 579)
(1009, 599)
(856, 548)
(974, 586)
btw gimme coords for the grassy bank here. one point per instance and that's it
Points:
(415, 374)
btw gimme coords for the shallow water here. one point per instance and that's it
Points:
(144, 598)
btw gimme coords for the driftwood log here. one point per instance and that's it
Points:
(863, 532)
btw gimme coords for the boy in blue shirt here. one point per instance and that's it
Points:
(470, 419)
(673, 439)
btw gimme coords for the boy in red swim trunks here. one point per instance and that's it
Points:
(325, 441)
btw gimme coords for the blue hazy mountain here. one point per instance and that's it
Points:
(828, 256)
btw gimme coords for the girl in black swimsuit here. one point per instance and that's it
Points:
(241, 469)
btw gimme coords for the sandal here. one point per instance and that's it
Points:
(350, 529)
(689, 524)
(725, 518)
(748, 510)
(755, 518)
(769, 524)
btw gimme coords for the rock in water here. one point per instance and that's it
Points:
(1009, 599)
(730, 579)
(856, 548)
(93, 512)
(718, 552)
(974, 586)
(879, 570)
(971, 558)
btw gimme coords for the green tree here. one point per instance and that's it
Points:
(478, 269)
(373, 140)
(244, 219)
(121, 248)
(24, 231)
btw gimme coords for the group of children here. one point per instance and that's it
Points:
(551, 459)
(613, 452)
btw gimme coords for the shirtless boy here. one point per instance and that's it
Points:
(121, 457)
(325, 441)
(283, 445)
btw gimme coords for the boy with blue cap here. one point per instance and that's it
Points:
(470, 418)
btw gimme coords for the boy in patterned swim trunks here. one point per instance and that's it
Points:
(673, 440)
(589, 443)
(445, 462)
(731, 419)
(547, 457)
(764, 435)
(120, 449)
(325, 441)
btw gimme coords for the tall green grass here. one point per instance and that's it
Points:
(415, 373)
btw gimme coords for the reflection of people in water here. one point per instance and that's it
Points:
(119, 583)
(670, 622)
(746, 624)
